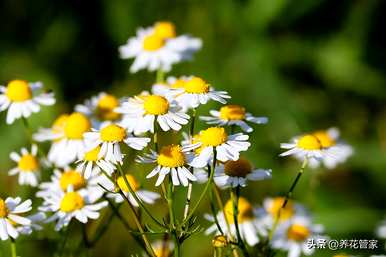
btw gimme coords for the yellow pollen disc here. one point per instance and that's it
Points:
(309, 142)
(113, 133)
(92, 155)
(298, 232)
(239, 168)
(179, 83)
(196, 85)
(232, 112)
(245, 211)
(324, 139)
(3, 209)
(106, 106)
(73, 178)
(285, 213)
(195, 140)
(162, 250)
(71, 201)
(76, 124)
(219, 241)
(18, 91)
(153, 42)
(171, 156)
(28, 163)
(213, 136)
(156, 105)
(59, 124)
(132, 182)
(165, 29)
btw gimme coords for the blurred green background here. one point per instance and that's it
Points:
(306, 64)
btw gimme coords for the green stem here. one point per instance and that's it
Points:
(13, 248)
(177, 246)
(235, 195)
(160, 76)
(207, 186)
(214, 212)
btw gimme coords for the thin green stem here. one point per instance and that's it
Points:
(235, 195)
(177, 247)
(160, 76)
(13, 248)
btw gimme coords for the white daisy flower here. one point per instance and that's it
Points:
(22, 98)
(67, 138)
(249, 226)
(335, 150)
(163, 89)
(227, 147)
(92, 163)
(232, 114)
(109, 138)
(62, 180)
(100, 108)
(381, 230)
(236, 173)
(10, 218)
(28, 166)
(158, 48)
(36, 224)
(304, 146)
(293, 235)
(143, 110)
(144, 195)
(69, 205)
(196, 91)
(171, 159)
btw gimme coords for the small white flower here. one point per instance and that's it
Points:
(227, 147)
(305, 146)
(195, 91)
(164, 89)
(109, 138)
(92, 163)
(10, 217)
(142, 111)
(158, 48)
(36, 220)
(173, 160)
(22, 98)
(229, 115)
(67, 138)
(69, 205)
(28, 166)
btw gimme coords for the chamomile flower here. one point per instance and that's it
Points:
(173, 160)
(92, 163)
(67, 138)
(163, 89)
(293, 235)
(195, 91)
(144, 110)
(144, 195)
(22, 98)
(306, 146)
(232, 114)
(35, 225)
(100, 108)
(236, 173)
(228, 147)
(71, 204)
(28, 166)
(10, 218)
(335, 151)
(158, 48)
(249, 226)
(109, 138)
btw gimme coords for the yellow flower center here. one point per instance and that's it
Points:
(245, 211)
(298, 232)
(18, 91)
(3, 209)
(156, 105)
(59, 124)
(324, 139)
(232, 112)
(92, 155)
(239, 168)
(179, 83)
(73, 178)
(28, 163)
(106, 106)
(309, 142)
(213, 136)
(113, 133)
(196, 85)
(71, 201)
(165, 29)
(132, 182)
(162, 250)
(153, 42)
(285, 213)
(171, 156)
(76, 124)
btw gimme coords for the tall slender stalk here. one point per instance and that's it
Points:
(160, 76)
(13, 248)
(235, 195)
